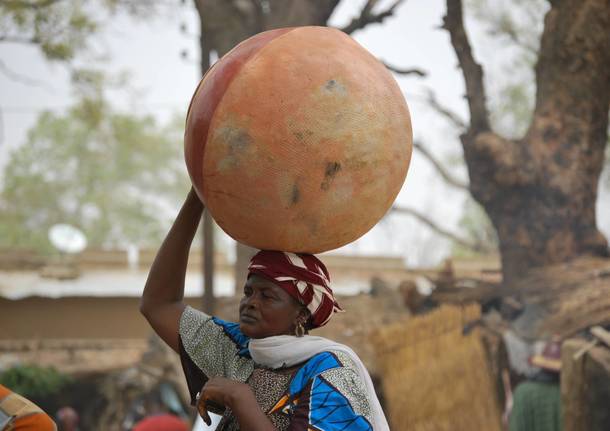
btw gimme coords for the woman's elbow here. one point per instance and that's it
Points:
(149, 301)
(145, 307)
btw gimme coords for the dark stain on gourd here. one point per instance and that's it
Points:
(303, 136)
(335, 88)
(331, 84)
(238, 140)
(296, 195)
(332, 168)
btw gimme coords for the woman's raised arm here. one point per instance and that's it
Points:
(162, 300)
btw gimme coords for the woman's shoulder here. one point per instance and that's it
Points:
(196, 325)
(331, 359)
(334, 364)
(215, 346)
(344, 376)
(331, 378)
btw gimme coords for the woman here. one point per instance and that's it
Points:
(262, 373)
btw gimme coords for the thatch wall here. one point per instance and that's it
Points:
(434, 377)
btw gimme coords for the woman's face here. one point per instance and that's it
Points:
(266, 309)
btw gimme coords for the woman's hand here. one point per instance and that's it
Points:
(193, 196)
(239, 398)
(224, 392)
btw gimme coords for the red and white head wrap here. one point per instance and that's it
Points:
(303, 276)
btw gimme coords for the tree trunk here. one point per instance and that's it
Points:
(243, 254)
(228, 22)
(540, 191)
(208, 247)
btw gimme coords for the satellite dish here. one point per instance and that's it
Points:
(67, 238)
(424, 286)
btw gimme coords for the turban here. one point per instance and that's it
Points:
(303, 276)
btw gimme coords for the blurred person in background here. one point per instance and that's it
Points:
(158, 417)
(537, 400)
(67, 419)
(20, 414)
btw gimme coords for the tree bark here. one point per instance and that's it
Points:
(209, 249)
(208, 246)
(540, 191)
(229, 22)
(243, 254)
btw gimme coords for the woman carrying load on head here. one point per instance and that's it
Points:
(264, 372)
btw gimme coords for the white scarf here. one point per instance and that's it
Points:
(287, 350)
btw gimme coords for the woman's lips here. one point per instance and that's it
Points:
(246, 318)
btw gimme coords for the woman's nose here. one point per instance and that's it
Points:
(252, 301)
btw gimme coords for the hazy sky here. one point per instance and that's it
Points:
(150, 52)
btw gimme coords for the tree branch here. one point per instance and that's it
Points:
(501, 22)
(449, 178)
(512, 34)
(418, 72)
(367, 16)
(473, 72)
(475, 246)
(453, 117)
(259, 13)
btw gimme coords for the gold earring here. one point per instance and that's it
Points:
(299, 330)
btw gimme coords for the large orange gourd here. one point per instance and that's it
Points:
(298, 140)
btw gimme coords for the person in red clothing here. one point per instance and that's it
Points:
(20, 414)
(161, 422)
(159, 418)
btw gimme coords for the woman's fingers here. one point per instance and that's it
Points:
(201, 408)
(211, 394)
(220, 392)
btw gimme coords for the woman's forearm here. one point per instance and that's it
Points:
(165, 281)
(248, 413)
(161, 301)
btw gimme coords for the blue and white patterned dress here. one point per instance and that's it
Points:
(324, 394)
